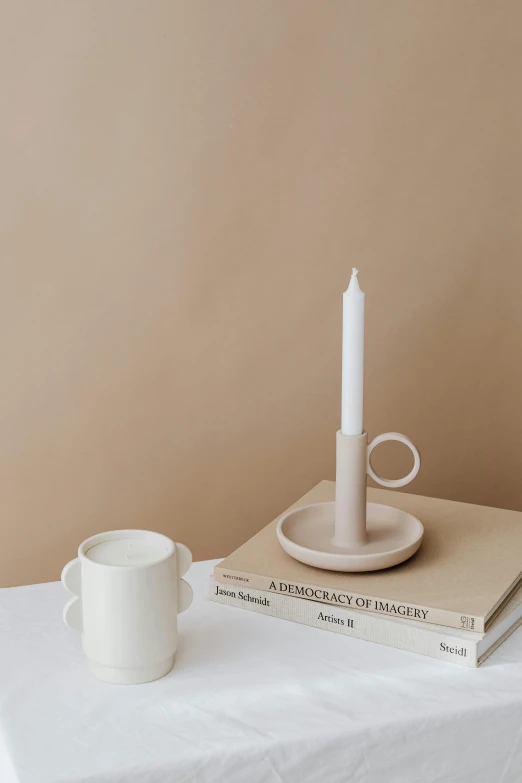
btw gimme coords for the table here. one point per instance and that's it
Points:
(251, 699)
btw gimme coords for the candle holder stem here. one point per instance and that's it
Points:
(350, 490)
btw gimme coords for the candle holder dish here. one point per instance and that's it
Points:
(350, 534)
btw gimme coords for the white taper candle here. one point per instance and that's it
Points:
(353, 358)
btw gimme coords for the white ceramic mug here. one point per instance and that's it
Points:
(127, 593)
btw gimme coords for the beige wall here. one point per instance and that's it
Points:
(184, 188)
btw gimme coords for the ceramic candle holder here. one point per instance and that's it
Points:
(351, 534)
(127, 592)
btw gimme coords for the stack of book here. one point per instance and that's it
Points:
(457, 599)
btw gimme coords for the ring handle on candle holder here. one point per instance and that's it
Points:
(391, 483)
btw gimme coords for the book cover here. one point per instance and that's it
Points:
(462, 647)
(468, 565)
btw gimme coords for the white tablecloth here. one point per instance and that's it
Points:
(251, 699)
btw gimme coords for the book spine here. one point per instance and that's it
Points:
(359, 625)
(381, 606)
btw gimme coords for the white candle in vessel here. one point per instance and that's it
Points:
(353, 358)
(126, 552)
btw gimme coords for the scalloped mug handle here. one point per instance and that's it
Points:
(184, 561)
(72, 581)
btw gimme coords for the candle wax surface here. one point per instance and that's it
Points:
(126, 552)
(353, 358)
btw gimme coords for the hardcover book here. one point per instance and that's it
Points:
(466, 648)
(468, 566)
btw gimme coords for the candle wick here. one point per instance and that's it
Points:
(355, 272)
